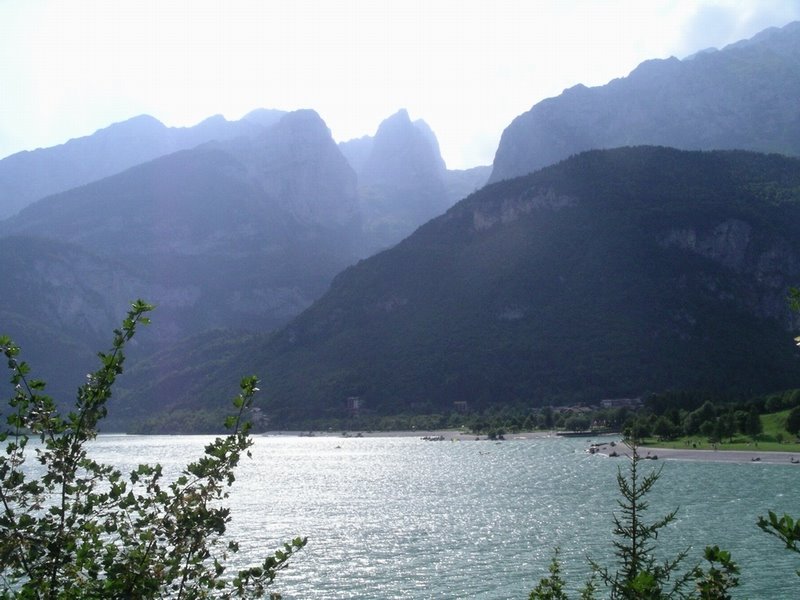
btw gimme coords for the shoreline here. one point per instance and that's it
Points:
(446, 435)
(728, 456)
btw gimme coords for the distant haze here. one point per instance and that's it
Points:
(467, 67)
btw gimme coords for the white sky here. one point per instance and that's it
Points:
(468, 67)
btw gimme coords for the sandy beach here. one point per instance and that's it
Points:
(729, 456)
(724, 455)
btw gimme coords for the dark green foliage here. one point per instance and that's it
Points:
(791, 398)
(715, 583)
(637, 428)
(664, 429)
(80, 529)
(753, 426)
(784, 528)
(794, 299)
(550, 588)
(553, 587)
(793, 421)
(578, 423)
(773, 404)
(547, 418)
(726, 425)
(693, 424)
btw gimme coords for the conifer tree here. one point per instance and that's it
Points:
(639, 575)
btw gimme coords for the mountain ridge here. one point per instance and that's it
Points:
(33, 174)
(740, 97)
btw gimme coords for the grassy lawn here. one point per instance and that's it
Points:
(775, 438)
(738, 443)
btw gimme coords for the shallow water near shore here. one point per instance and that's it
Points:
(399, 517)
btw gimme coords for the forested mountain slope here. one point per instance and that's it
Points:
(611, 274)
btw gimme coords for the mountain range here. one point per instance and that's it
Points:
(234, 234)
(578, 274)
(30, 175)
(741, 97)
(239, 232)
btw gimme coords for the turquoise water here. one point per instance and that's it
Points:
(404, 518)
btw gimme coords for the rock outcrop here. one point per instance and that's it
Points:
(403, 180)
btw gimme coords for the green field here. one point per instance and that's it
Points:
(774, 438)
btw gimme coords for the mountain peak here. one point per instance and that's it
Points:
(304, 116)
(266, 117)
(397, 136)
(768, 35)
(400, 115)
(297, 162)
(305, 121)
(394, 124)
(139, 123)
(403, 172)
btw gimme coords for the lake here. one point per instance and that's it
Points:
(398, 517)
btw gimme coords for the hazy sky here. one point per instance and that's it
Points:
(468, 67)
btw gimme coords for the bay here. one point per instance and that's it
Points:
(399, 517)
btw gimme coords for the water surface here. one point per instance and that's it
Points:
(403, 518)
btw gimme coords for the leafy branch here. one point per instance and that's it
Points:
(74, 528)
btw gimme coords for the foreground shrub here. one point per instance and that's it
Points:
(73, 528)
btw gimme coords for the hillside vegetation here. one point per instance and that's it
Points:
(612, 274)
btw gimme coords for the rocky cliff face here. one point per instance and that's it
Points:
(298, 165)
(512, 208)
(63, 286)
(733, 244)
(744, 96)
(402, 180)
(402, 148)
(357, 151)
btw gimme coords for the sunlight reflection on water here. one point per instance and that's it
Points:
(403, 518)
